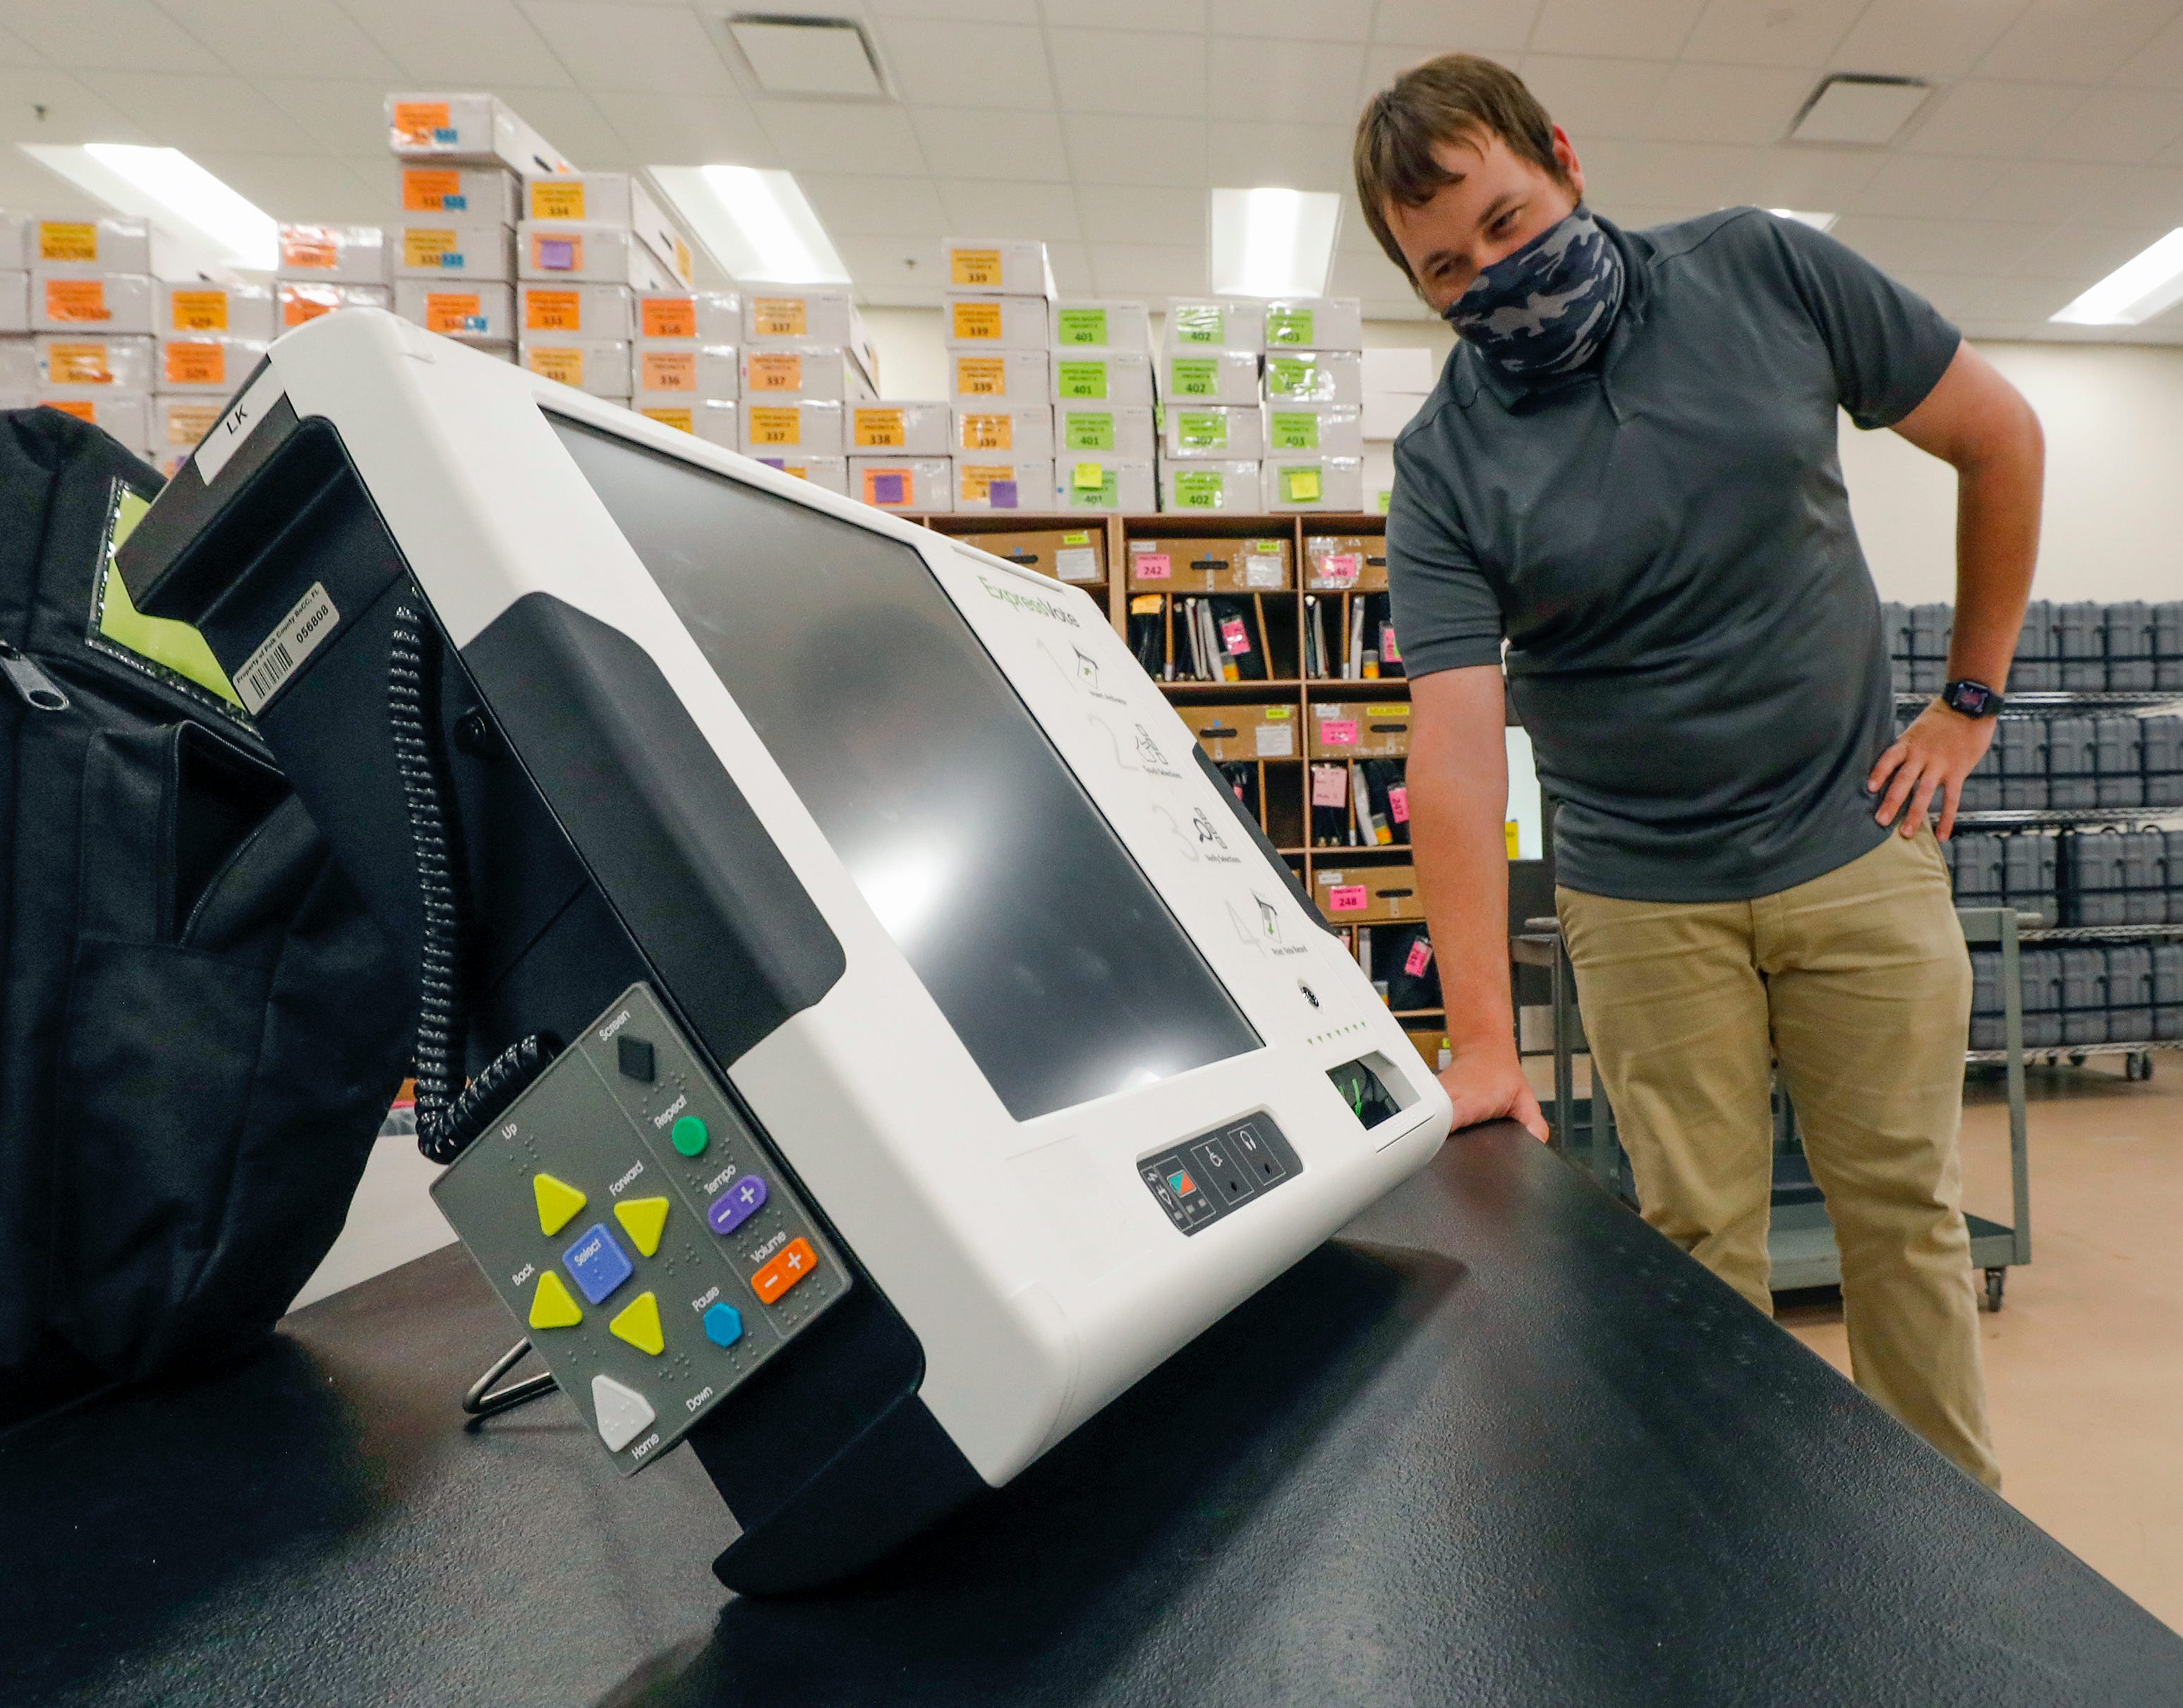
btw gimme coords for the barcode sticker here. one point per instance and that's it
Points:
(266, 671)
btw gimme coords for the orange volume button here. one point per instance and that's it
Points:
(789, 1266)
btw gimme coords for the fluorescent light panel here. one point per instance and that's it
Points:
(757, 224)
(1273, 242)
(172, 191)
(1818, 222)
(2148, 283)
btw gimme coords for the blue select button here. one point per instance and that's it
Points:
(596, 1263)
(723, 1325)
(743, 1199)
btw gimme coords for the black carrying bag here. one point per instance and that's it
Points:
(201, 1027)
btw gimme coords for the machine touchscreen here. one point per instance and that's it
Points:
(1054, 960)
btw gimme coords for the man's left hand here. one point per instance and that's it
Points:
(1931, 758)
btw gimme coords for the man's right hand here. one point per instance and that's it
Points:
(1489, 1085)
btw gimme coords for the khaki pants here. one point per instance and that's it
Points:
(1858, 984)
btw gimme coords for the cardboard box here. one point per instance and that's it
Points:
(1369, 895)
(1315, 376)
(1108, 430)
(179, 422)
(906, 429)
(610, 198)
(1401, 368)
(588, 253)
(1074, 555)
(1232, 733)
(805, 427)
(1193, 375)
(478, 252)
(1388, 413)
(69, 360)
(14, 302)
(335, 254)
(1102, 376)
(18, 368)
(1092, 322)
(14, 242)
(472, 309)
(778, 315)
(102, 244)
(1345, 563)
(1314, 323)
(687, 371)
(1227, 484)
(831, 473)
(1296, 483)
(475, 129)
(1024, 485)
(1355, 729)
(690, 317)
(1213, 323)
(297, 304)
(993, 323)
(471, 193)
(208, 366)
(599, 366)
(1027, 428)
(1083, 481)
(920, 483)
(714, 419)
(62, 301)
(127, 415)
(1003, 377)
(1185, 563)
(801, 370)
(1326, 429)
(582, 311)
(1012, 266)
(1195, 432)
(218, 310)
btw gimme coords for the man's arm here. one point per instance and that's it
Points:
(1458, 785)
(1977, 421)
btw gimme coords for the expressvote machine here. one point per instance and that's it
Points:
(865, 1034)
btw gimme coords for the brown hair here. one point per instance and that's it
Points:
(1449, 99)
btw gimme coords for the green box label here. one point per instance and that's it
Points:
(1194, 376)
(1291, 326)
(1199, 489)
(1291, 376)
(1295, 429)
(1087, 429)
(1202, 429)
(1081, 378)
(1104, 496)
(1081, 326)
(1198, 323)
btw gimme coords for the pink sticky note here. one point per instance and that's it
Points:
(1340, 568)
(1153, 566)
(1338, 732)
(1329, 785)
(1348, 898)
(1419, 957)
(1234, 637)
(1398, 804)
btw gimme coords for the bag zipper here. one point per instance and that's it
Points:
(40, 692)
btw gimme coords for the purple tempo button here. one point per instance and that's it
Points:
(737, 1205)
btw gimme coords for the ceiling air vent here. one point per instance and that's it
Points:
(1859, 109)
(793, 55)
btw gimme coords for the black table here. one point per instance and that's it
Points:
(1500, 1445)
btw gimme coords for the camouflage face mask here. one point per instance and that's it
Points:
(1547, 309)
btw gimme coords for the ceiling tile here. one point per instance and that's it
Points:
(349, 119)
(963, 11)
(1924, 38)
(1923, 186)
(1295, 157)
(1476, 26)
(1162, 16)
(309, 186)
(111, 36)
(1998, 120)
(74, 113)
(1649, 30)
(984, 208)
(967, 64)
(1726, 104)
(1687, 177)
(1135, 150)
(2157, 65)
(2081, 251)
(2109, 195)
(1300, 82)
(839, 135)
(210, 113)
(1133, 214)
(1304, 20)
(863, 205)
(1592, 98)
(571, 121)
(648, 48)
(1384, 63)
(960, 143)
(1358, 275)
(1072, 269)
(16, 51)
(485, 44)
(1957, 244)
(2075, 41)
(282, 38)
(1152, 270)
(1115, 71)
(1788, 176)
(2117, 125)
(1767, 32)
(686, 129)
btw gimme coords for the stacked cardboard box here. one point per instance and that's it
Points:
(1397, 383)
(589, 244)
(1315, 397)
(211, 336)
(806, 359)
(18, 358)
(321, 269)
(684, 359)
(1212, 438)
(91, 306)
(1104, 432)
(994, 315)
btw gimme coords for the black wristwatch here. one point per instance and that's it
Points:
(1972, 699)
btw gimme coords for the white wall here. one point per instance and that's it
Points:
(2113, 418)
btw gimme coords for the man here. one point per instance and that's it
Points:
(1629, 470)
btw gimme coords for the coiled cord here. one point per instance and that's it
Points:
(446, 1120)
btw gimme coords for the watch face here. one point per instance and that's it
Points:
(1972, 699)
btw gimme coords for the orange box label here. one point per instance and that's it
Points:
(557, 198)
(188, 422)
(453, 311)
(975, 267)
(566, 365)
(988, 432)
(795, 1260)
(667, 370)
(778, 317)
(417, 124)
(78, 364)
(425, 189)
(773, 370)
(776, 426)
(311, 247)
(76, 300)
(670, 317)
(981, 376)
(81, 407)
(305, 303)
(199, 311)
(67, 239)
(880, 429)
(423, 246)
(202, 362)
(977, 319)
(552, 311)
(686, 420)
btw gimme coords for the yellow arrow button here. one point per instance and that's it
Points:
(639, 1325)
(551, 1306)
(643, 1219)
(558, 1200)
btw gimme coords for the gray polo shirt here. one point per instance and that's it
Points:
(1693, 637)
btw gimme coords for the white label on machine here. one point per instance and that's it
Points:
(228, 432)
(267, 670)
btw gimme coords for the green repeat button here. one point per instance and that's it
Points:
(689, 1136)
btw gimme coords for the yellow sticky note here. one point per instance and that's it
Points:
(1300, 485)
(1090, 477)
